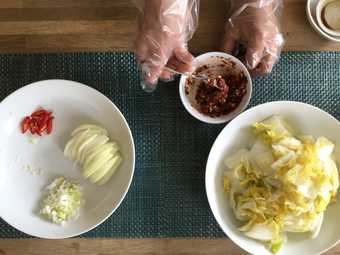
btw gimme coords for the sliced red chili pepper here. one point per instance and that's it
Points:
(25, 124)
(33, 127)
(36, 126)
(37, 121)
(42, 128)
(40, 112)
(40, 121)
(38, 132)
(45, 119)
(50, 125)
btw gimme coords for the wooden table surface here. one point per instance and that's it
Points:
(109, 25)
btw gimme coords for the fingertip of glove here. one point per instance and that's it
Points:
(191, 69)
(261, 70)
(228, 45)
(166, 76)
(183, 55)
(147, 87)
(252, 60)
(148, 81)
(168, 79)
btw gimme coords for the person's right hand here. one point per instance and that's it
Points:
(164, 29)
(255, 24)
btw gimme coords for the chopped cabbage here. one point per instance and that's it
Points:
(261, 157)
(235, 159)
(284, 183)
(261, 231)
(62, 202)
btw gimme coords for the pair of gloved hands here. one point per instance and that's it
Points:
(165, 26)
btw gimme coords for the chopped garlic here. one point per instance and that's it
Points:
(34, 171)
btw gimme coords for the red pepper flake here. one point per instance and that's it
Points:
(39, 122)
(221, 95)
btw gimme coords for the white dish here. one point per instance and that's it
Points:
(311, 15)
(319, 9)
(304, 118)
(213, 58)
(72, 104)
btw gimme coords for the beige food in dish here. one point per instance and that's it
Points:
(62, 201)
(332, 14)
(282, 184)
(91, 147)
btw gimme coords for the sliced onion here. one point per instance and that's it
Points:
(89, 127)
(91, 147)
(92, 155)
(95, 177)
(107, 177)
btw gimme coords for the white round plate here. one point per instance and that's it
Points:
(311, 15)
(72, 104)
(305, 119)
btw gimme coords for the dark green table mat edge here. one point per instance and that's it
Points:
(328, 63)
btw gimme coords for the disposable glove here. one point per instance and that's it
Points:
(164, 28)
(253, 33)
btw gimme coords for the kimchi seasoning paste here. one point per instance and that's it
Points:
(221, 95)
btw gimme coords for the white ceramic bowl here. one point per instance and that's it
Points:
(72, 104)
(304, 118)
(319, 8)
(214, 58)
(311, 15)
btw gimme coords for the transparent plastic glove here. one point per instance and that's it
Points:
(254, 24)
(165, 26)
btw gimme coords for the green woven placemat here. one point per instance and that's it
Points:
(167, 196)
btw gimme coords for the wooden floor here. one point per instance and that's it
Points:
(109, 25)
